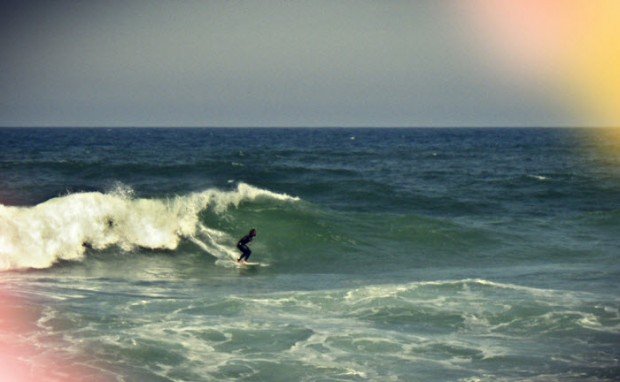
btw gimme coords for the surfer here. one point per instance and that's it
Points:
(242, 244)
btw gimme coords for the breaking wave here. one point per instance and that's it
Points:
(64, 227)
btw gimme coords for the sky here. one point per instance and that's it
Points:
(276, 63)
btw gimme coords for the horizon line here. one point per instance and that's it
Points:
(302, 127)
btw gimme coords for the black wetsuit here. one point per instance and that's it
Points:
(242, 244)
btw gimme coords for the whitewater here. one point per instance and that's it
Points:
(386, 255)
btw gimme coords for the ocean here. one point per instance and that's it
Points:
(382, 254)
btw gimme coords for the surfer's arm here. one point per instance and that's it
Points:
(244, 240)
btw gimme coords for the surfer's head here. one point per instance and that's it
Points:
(252, 232)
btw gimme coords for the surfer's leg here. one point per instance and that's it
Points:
(240, 247)
(246, 252)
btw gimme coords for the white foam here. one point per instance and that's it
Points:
(390, 290)
(215, 243)
(537, 177)
(59, 229)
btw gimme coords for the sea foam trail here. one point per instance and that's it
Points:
(62, 228)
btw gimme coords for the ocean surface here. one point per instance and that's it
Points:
(383, 255)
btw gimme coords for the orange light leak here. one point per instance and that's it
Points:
(597, 59)
(12, 351)
(572, 44)
(22, 359)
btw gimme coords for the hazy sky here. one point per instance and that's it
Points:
(253, 63)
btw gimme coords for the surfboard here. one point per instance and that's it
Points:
(251, 264)
(248, 264)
